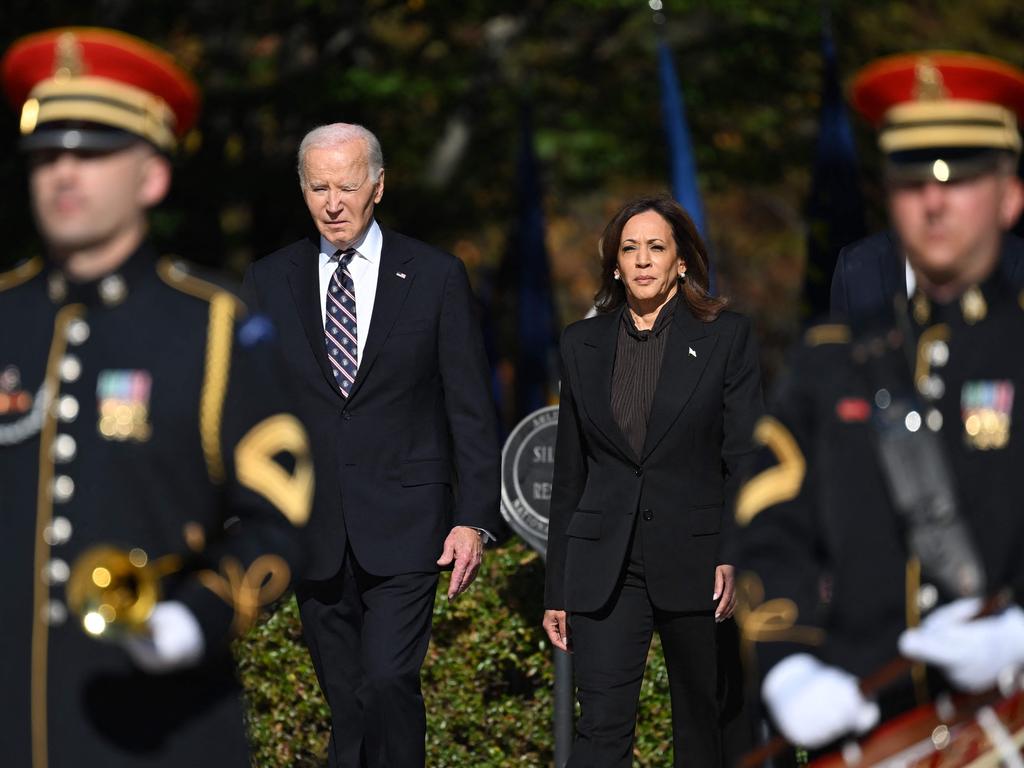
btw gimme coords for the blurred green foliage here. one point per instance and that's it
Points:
(486, 680)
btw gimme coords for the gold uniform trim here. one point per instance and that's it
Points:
(949, 123)
(912, 587)
(44, 512)
(224, 308)
(100, 100)
(179, 278)
(290, 492)
(775, 484)
(215, 381)
(20, 274)
(248, 590)
(827, 334)
(771, 621)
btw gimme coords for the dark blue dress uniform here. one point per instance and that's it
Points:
(140, 410)
(825, 568)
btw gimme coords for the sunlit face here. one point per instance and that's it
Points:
(87, 200)
(948, 228)
(339, 192)
(648, 264)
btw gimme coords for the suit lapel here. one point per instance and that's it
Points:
(387, 303)
(304, 280)
(594, 362)
(681, 370)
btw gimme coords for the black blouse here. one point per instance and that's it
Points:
(638, 356)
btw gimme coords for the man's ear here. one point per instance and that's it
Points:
(379, 193)
(156, 179)
(1012, 203)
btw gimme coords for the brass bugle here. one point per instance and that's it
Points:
(112, 590)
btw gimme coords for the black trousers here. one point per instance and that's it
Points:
(610, 654)
(368, 636)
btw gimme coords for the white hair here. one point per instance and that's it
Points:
(340, 133)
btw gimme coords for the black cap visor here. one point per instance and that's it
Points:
(72, 136)
(942, 164)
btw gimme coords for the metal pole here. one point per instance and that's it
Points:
(564, 706)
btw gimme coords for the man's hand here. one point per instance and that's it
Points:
(725, 588)
(972, 652)
(557, 627)
(465, 548)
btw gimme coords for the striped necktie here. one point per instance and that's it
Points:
(340, 329)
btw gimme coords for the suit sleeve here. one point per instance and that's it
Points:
(839, 306)
(258, 455)
(465, 378)
(569, 480)
(743, 406)
(249, 292)
(779, 543)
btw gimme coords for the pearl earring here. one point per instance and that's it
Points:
(616, 275)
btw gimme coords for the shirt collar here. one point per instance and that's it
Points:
(367, 247)
(662, 321)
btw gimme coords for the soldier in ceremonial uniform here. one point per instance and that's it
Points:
(140, 409)
(889, 498)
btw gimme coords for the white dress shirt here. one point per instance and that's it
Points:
(363, 267)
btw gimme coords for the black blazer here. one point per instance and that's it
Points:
(704, 408)
(419, 414)
(871, 273)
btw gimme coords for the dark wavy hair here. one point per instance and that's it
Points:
(689, 246)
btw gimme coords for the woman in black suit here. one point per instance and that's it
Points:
(659, 394)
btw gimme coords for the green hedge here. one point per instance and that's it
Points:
(487, 680)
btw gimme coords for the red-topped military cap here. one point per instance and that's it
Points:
(92, 88)
(942, 114)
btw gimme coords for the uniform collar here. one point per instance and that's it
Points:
(106, 291)
(970, 308)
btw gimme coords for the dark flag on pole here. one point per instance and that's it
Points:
(835, 210)
(536, 368)
(680, 148)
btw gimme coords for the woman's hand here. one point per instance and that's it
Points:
(725, 592)
(557, 627)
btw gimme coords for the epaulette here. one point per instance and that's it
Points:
(827, 334)
(24, 272)
(180, 275)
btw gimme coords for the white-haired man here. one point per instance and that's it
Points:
(379, 330)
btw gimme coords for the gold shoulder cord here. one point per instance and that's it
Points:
(777, 484)
(20, 274)
(224, 308)
(44, 511)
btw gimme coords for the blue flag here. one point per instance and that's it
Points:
(835, 209)
(680, 148)
(536, 366)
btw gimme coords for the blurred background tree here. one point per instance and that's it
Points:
(444, 86)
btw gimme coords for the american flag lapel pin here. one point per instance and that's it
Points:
(401, 274)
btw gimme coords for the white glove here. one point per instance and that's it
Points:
(175, 640)
(973, 653)
(813, 703)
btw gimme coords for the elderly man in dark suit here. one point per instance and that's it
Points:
(381, 337)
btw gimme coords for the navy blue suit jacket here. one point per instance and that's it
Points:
(419, 414)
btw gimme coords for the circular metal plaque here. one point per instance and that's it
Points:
(527, 468)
